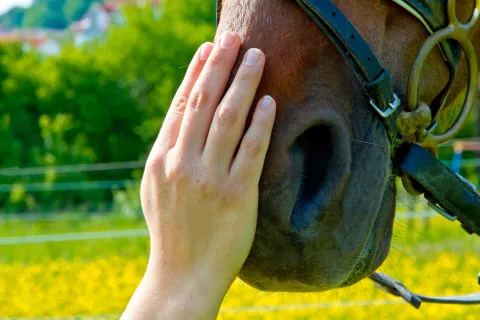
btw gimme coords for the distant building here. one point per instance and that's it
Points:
(97, 20)
(45, 46)
(93, 25)
(44, 41)
(101, 16)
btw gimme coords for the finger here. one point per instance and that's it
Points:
(248, 164)
(229, 121)
(173, 120)
(206, 94)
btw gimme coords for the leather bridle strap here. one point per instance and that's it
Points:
(448, 193)
(375, 79)
(346, 38)
(396, 288)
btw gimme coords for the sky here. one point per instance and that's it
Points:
(7, 4)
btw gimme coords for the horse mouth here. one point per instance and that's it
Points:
(365, 264)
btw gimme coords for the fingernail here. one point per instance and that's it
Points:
(227, 40)
(205, 51)
(253, 55)
(267, 102)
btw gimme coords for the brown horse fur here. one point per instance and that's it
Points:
(327, 194)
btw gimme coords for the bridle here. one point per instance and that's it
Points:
(411, 124)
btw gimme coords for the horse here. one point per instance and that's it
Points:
(328, 192)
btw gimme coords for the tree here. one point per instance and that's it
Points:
(47, 14)
(74, 10)
(162, 50)
(55, 14)
(101, 103)
(13, 18)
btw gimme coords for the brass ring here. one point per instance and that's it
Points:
(460, 32)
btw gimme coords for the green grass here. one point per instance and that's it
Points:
(72, 250)
(409, 236)
(99, 276)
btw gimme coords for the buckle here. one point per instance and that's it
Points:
(441, 211)
(392, 107)
(469, 183)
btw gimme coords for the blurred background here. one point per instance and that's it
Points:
(84, 87)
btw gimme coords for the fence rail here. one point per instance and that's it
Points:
(103, 167)
(252, 309)
(18, 172)
(116, 234)
(68, 186)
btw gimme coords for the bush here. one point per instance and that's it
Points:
(98, 104)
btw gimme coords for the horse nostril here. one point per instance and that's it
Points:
(316, 146)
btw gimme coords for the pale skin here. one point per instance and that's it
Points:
(199, 196)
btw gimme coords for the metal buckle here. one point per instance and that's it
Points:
(441, 211)
(392, 107)
(445, 213)
(469, 183)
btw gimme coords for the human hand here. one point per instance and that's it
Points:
(199, 192)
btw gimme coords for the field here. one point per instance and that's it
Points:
(54, 277)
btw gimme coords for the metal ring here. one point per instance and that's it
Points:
(459, 32)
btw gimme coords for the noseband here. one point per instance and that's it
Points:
(411, 124)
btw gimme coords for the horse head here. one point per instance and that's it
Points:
(327, 193)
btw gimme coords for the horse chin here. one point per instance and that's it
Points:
(305, 276)
(371, 258)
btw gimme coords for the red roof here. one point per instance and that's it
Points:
(9, 37)
(36, 42)
(81, 25)
(15, 36)
(111, 6)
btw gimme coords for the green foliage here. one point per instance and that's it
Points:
(74, 10)
(126, 202)
(13, 18)
(102, 103)
(45, 13)
(162, 51)
(53, 14)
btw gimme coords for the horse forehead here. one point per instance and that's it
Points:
(291, 40)
(283, 32)
(277, 22)
(273, 19)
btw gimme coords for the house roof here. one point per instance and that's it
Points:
(86, 22)
(112, 6)
(81, 25)
(36, 42)
(9, 36)
(28, 36)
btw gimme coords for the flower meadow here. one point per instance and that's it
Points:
(94, 279)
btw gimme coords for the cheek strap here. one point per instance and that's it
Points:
(447, 193)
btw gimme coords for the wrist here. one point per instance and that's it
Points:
(196, 294)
